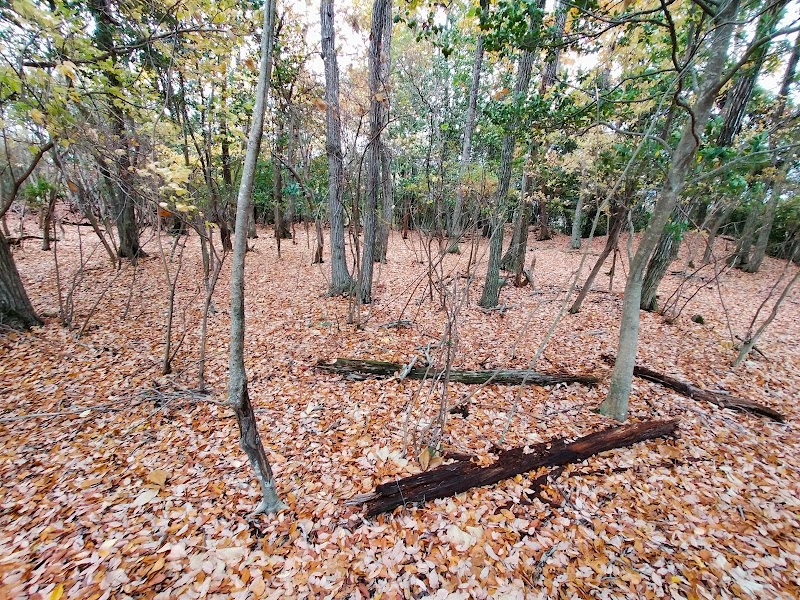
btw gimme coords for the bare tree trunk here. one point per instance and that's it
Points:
(491, 286)
(16, 310)
(48, 218)
(616, 404)
(762, 242)
(122, 199)
(514, 258)
(717, 220)
(575, 238)
(666, 251)
(738, 97)
(378, 119)
(456, 225)
(617, 221)
(238, 396)
(341, 281)
(744, 245)
(387, 208)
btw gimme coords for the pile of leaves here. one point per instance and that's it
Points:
(119, 482)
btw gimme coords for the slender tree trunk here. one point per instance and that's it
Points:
(491, 286)
(514, 258)
(238, 396)
(341, 281)
(48, 218)
(378, 118)
(738, 97)
(122, 198)
(616, 404)
(387, 207)
(744, 245)
(666, 251)
(575, 238)
(762, 242)
(456, 224)
(716, 222)
(752, 338)
(281, 230)
(617, 221)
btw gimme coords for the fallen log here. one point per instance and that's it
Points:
(695, 393)
(685, 388)
(379, 368)
(454, 478)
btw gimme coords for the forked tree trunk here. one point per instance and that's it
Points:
(341, 281)
(514, 257)
(456, 224)
(238, 396)
(739, 95)
(491, 286)
(616, 404)
(378, 118)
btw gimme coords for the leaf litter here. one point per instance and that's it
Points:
(118, 482)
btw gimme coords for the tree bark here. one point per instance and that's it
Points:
(738, 97)
(741, 256)
(695, 393)
(491, 286)
(341, 281)
(456, 224)
(48, 218)
(455, 478)
(238, 396)
(378, 119)
(775, 186)
(666, 251)
(16, 310)
(121, 191)
(575, 238)
(363, 369)
(616, 404)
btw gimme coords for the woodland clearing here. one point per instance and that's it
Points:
(120, 482)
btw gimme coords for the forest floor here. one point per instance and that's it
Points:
(116, 481)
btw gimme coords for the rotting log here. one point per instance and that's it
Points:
(685, 388)
(455, 478)
(696, 393)
(378, 368)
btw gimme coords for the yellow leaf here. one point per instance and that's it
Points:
(37, 116)
(425, 458)
(57, 592)
(158, 476)
(158, 565)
